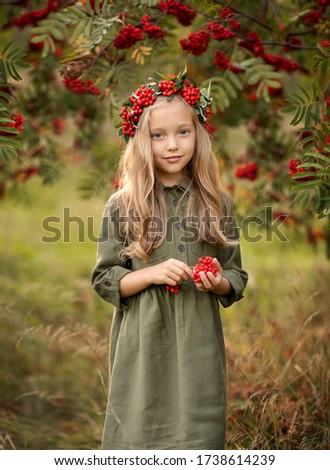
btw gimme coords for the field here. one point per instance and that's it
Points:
(54, 333)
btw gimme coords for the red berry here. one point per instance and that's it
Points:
(205, 265)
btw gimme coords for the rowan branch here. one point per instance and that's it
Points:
(240, 12)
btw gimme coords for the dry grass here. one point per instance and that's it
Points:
(54, 340)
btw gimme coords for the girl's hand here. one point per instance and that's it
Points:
(209, 281)
(171, 272)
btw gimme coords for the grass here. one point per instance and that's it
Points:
(54, 336)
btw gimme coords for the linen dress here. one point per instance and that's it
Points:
(167, 357)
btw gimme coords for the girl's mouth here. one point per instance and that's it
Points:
(173, 159)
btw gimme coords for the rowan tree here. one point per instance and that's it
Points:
(268, 64)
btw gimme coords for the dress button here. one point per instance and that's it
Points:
(177, 225)
(107, 283)
(175, 202)
(181, 247)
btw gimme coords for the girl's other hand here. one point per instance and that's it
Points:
(171, 272)
(209, 281)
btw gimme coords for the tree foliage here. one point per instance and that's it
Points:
(266, 62)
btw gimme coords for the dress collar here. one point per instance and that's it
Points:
(183, 185)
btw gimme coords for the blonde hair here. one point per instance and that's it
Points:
(141, 196)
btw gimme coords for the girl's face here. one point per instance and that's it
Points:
(172, 134)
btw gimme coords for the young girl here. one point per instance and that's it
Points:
(167, 355)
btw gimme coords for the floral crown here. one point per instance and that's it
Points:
(169, 86)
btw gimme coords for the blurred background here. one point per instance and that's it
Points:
(65, 68)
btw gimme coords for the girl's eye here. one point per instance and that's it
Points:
(184, 132)
(157, 135)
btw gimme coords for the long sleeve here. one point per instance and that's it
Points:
(109, 268)
(231, 262)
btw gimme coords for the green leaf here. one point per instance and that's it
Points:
(235, 80)
(273, 84)
(97, 7)
(9, 141)
(9, 130)
(298, 97)
(254, 79)
(308, 115)
(12, 71)
(304, 92)
(318, 156)
(3, 71)
(311, 164)
(5, 49)
(8, 154)
(310, 138)
(39, 38)
(289, 109)
(229, 88)
(78, 30)
(299, 116)
(12, 53)
(304, 199)
(89, 9)
(23, 65)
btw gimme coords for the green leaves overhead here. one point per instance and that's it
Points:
(307, 107)
(10, 61)
(225, 88)
(90, 26)
(261, 74)
(313, 183)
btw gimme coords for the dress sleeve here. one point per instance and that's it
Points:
(230, 259)
(109, 268)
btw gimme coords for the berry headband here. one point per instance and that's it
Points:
(169, 86)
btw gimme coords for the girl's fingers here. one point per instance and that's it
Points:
(205, 280)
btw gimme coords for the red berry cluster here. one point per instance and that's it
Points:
(219, 32)
(314, 16)
(18, 121)
(221, 61)
(190, 94)
(127, 36)
(205, 265)
(152, 30)
(291, 42)
(23, 175)
(32, 17)
(142, 97)
(58, 126)
(17, 124)
(248, 170)
(227, 11)
(254, 44)
(293, 170)
(173, 289)
(280, 62)
(167, 87)
(235, 24)
(197, 43)
(76, 85)
(184, 14)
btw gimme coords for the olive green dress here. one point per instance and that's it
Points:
(167, 356)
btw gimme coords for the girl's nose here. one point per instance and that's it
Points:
(172, 143)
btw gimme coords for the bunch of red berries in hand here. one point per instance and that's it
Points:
(173, 289)
(205, 265)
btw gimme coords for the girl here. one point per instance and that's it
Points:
(167, 355)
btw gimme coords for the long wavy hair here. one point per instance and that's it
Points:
(141, 197)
